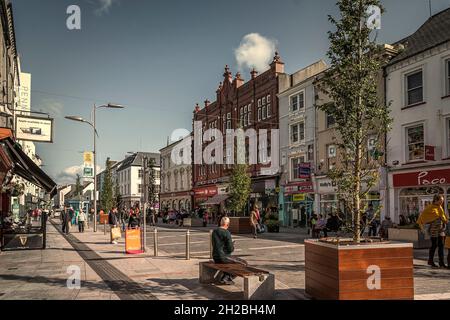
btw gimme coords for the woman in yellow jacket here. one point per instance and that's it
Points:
(434, 215)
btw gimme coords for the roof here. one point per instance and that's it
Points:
(435, 31)
(136, 160)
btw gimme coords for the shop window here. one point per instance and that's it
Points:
(414, 200)
(415, 142)
(414, 88)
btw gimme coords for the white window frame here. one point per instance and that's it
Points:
(405, 77)
(269, 110)
(447, 76)
(405, 140)
(291, 104)
(291, 131)
(259, 114)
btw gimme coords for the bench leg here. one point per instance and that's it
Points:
(259, 287)
(207, 275)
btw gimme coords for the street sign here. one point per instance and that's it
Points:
(88, 172)
(88, 158)
(304, 171)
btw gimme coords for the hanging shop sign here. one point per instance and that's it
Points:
(304, 187)
(304, 171)
(430, 152)
(34, 129)
(88, 172)
(88, 158)
(298, 197)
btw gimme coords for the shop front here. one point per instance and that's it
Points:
(18, 231)
(176, 201)
(298, 204)
(264, 194)
(329, 202)
(413, 191)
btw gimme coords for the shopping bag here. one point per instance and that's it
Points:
(447, 242)
(115, 233)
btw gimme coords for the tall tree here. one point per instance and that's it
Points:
(352, 85)
(78, 188)
(107, 196)
(152, 191)
(240, 188)
(117, 195)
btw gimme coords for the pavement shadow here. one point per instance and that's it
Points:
(177, 287)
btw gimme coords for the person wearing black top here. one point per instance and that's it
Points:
(223, 247)
(134, 222)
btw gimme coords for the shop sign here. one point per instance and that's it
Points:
(88, 172)
(298, 197)
(34, 129)
(133, 241)
(304, 171)
(430, 153)
(327, 186)
(422, 178)
(305, 187)
(88, 158)
(206, 192)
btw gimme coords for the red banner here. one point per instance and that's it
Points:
(424, 178)
(294, 188)
(206, 192)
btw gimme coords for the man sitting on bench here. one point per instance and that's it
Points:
(223, 247)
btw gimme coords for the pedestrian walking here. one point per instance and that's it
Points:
(371, 220)
(384, 228)
(254, 221)
(81, 221)
(434, 215)
(205, 219)
(113, 222)
(134, 221)
(65, 219)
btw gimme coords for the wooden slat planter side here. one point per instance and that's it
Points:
(341, 273)
(240, 225)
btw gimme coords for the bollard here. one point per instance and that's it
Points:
(155, 241)
(104, 227)
(210, 244)
(188, 244)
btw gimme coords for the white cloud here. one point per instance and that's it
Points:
(52, 107)
(105, 5)
(255, 51)
(69, 175)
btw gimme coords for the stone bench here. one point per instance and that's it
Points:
(258, 284)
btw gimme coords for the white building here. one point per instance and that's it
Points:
(130, 174)
(176, 181)
(297, 142)
(418, 85)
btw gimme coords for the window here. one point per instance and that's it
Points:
(140, 174)
(294, 133)
(295, 163)
(298, 132)
(140, 188)
(371, 145)
(269, 110)
(249, 118)
(331, 153)
(301, 100)
(414, 88)
(311, 152)
(264, 101)
(259, 114)
(259, 102)
(294, 103)
(330, 120)
(264, 112)
(447, 78)
(415, 141)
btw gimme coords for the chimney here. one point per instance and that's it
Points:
(207, 103)
(277, 65)
(254, 73)
(227, 75)
(197, 108)
(238, 80)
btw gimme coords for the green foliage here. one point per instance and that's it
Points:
(107, 195)
(78, 188)
(240, 188)
(152, 191)
(352, 85)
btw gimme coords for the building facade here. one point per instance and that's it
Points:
(418, 85)
(297, 145)
(251, 105)
(129, 175)
(176, 181)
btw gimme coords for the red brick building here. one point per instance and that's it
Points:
(250, 105)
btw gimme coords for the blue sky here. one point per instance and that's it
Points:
(159, 58)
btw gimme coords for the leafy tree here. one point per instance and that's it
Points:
(352, 85)
(78, 188)
(107, 196)
(117, 195)
(240, 188)
(152, 190)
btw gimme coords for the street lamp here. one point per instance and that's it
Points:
(93, 125)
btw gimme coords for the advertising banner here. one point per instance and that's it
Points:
(88, 158)
(133, 241)
(34, 129)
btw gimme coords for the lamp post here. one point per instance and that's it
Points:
(93, 125)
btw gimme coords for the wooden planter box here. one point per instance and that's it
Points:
(240, 225)
(346, 272)
(192, 222)
(417, 238)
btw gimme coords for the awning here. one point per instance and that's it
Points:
(216, 200)
(25, 167)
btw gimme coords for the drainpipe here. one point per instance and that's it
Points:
(386, 165)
